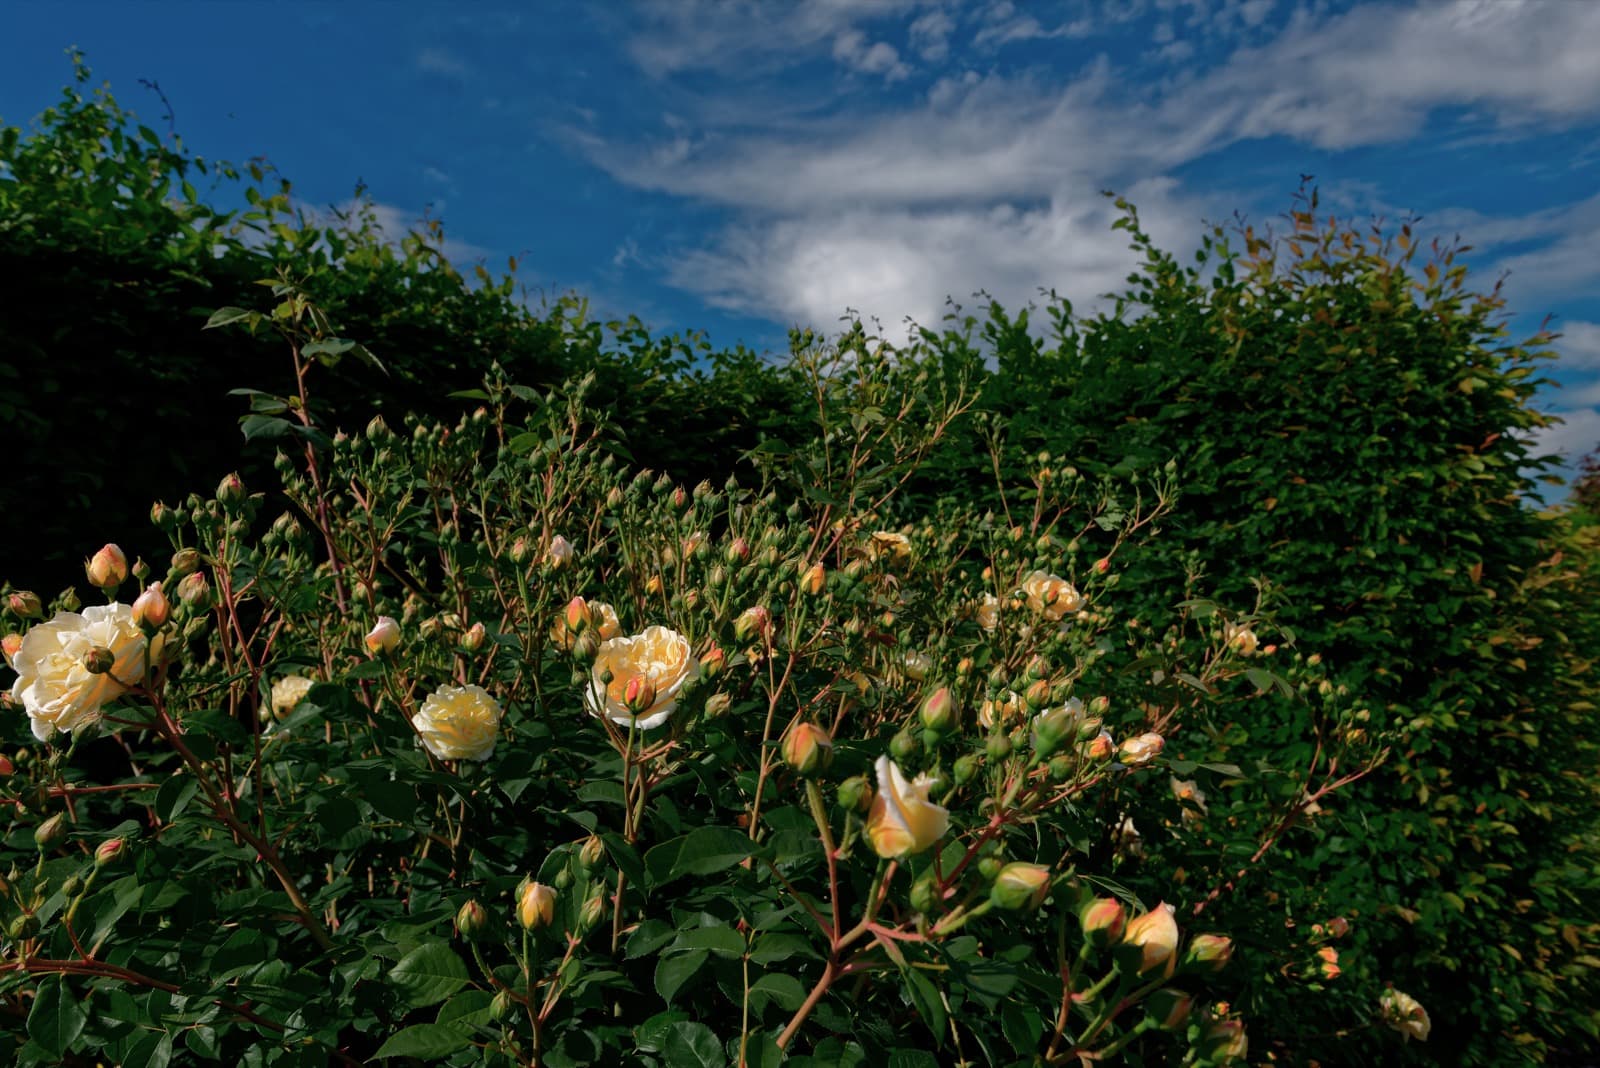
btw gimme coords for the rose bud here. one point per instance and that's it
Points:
(24, 603)
(593, 911)
(1103, 920)
(560, 553)
(1169, 1008)
(1020, 885)
(473, 637)
(109, 852)
(384, 637)
(808, 749)
(472, 921)
(99, 660)
(194, 591)
(536, 906)
(230, 491)
(591, 853)
(1208, 953)
(10, 645)
(813, 579)
(1150, 942)
(1139, 751)
(107, 568)
(940, 712)
(752, 621)
(185, 561)
(150, 608)
(855, 794)
(50, 832)
(1225, 1042)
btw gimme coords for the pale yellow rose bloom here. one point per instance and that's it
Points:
(602, 617)
(1241, 638)
(902, 820)
(988, 612)
(1003, 709)
(1405, 1014)
(459, 723)
(288, 692)
(54, 684)
(1156, 935)
(889, 543)
(1051, 596)
(658, 662)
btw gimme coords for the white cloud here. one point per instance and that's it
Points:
(1574, 437)
(929, 35)
(440, 61)
(851, 49)
(1579, 346)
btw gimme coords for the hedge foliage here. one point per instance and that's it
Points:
(1338, 416)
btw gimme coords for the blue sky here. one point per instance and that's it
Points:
(742, 166)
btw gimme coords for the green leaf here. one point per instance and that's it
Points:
(224, 316)
(153, 1051)
(692, 1045)
(174, 794)
(264, 427)
(467, 1007)
(703, 851)
(925, 999)
(427, 1041)
(780, 988)
(675, 969)
(57, 1017)
(723, 941)
(428, 974)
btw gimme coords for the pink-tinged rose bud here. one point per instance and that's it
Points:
(737, 552)
(536, 906)
(230, 491)
(813, 579)
(1037, 695)
(1139, 751)
(150, 608)
(808, 749)
(1225, 1042)
(1328, 962)
(654, 586)
(717, 705)
(1020, 886)
(185, 561)
(940, 712)
(639, 694)
(25, 603)
(520, 550)
(194, 591)
(1208, 953)
(6, 767)
(1102, 565)
(162, 517)
(472, 921)
(49, 833)
(577, 616)
(1338, 927)
(384, 637)
(752, 622)
(10, 645)
(1103, 920)
(680, 498)
(1150, 943)
(107, 568)
(109, 852)
(713, 661)
(560, 553)
(472, 638)
(1170, 1008)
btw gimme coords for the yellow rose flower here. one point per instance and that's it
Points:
(1154, 936)
(288, 692)
(889, 543)
(1051, 596)
(581, 615)
(988, 612)
(459, 723)
(657, 664)
(1240, 638)
(1003, 710)
(56, 681)
(902, 820)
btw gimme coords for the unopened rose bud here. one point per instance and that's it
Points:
(559, 554)
(10, 645)
(6, 769)
(808, 749)
(107, 568)
(473, 637)
(1020, 885)
(577, 616)
(586, 647)
(591, 853)
(717, 705)
(813, 579)
(520, 550)
(940, 713)
(1100, 747)
(163, 518)
(502, 1007)
(50, 832)
(536, 905)
(194, 591)
(1149, 943)
(752, 622)
(1328, 962)
(1207, 953)
(1224, 1042)
(654, 586)
(384, 637)
(150, 608)
(185, 561)
(72, 886)
(109, 852)
(24, 603)
(593, 911)
(1037, 695)
(713, 662)
(1170, 1008)
(855, 794)
(472, 921)
(1102, 565)
(1103, 920)
(1140, 751)
(99, 660)
(639, 694)
(1338, 927)
(737, 552)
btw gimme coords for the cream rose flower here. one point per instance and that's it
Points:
(459, 723)
(1241, 638)
(597, 614)
(888, 543)
(988, 612)
(1005, 709)
(646, 671)
(1405, 1014)
(902, 820)
(54, 683)
(1051, 596)
(288, 692)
